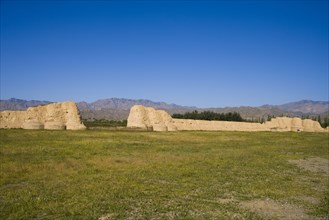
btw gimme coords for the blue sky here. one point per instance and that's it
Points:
(198, 53)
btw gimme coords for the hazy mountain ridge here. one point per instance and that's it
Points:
(306, 106)
(118, 108)
(20, 104)
(126, 104)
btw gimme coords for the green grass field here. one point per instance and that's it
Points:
(149, 175)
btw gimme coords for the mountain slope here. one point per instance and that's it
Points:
(19, 104)
(306, 107)
(126, 104)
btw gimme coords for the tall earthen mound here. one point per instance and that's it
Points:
(55, 116)
(150, 119)
(159, 120)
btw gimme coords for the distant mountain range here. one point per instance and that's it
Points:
(306, 106)
(20, 104)
(126, 104)
(118, 109)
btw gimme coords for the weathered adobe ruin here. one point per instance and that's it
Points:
(158, 120)
(55, 116)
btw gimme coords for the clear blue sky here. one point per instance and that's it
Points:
(199, 53)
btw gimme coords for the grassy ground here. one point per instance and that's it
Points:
(104, 123)
(150, 175)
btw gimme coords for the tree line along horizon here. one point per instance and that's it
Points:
(204, 115)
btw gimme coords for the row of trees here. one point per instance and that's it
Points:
(324, 122)
(210, 116)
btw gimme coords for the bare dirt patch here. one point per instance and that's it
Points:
(225, 200)
(313, 164)
(108, 217)
(309, 199)
(270, 209)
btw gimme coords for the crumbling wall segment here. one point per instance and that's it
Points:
(159, 120)
(55, 116)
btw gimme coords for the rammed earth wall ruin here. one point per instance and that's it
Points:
(159, 120)
(55, 116)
